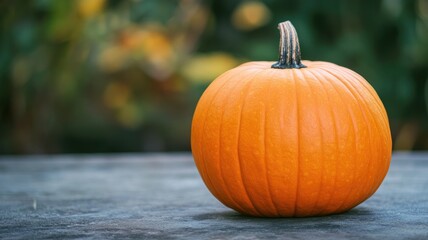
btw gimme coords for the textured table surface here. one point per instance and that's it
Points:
(161, 196)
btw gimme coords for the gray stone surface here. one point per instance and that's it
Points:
(162, 197)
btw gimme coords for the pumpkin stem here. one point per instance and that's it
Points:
(289, 47)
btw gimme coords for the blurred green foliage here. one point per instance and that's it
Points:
(109, 76)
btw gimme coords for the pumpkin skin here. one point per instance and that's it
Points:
(291, 142)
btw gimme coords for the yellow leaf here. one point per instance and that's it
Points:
(206, 67)
(88, 8)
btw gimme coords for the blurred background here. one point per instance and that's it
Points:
(125, 76)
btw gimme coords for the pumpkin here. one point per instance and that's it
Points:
(293, 138)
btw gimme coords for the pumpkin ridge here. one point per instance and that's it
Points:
(336, 138)
(302, 79)
(247, 88)
(298, 141)
(321, 145)
(358, 78)
(286, 77)
(366, 120)
(379, 103)
(204, 168)
(226, 189)
(269, 86)
(374, 185)
(363, 113)
(376, 123)
(354, 130)
(373, 94)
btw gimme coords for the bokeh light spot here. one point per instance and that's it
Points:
(251, 15)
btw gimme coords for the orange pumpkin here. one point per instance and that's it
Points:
(296, 138)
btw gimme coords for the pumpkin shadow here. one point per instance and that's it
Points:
(355, 213)
(232, 221)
